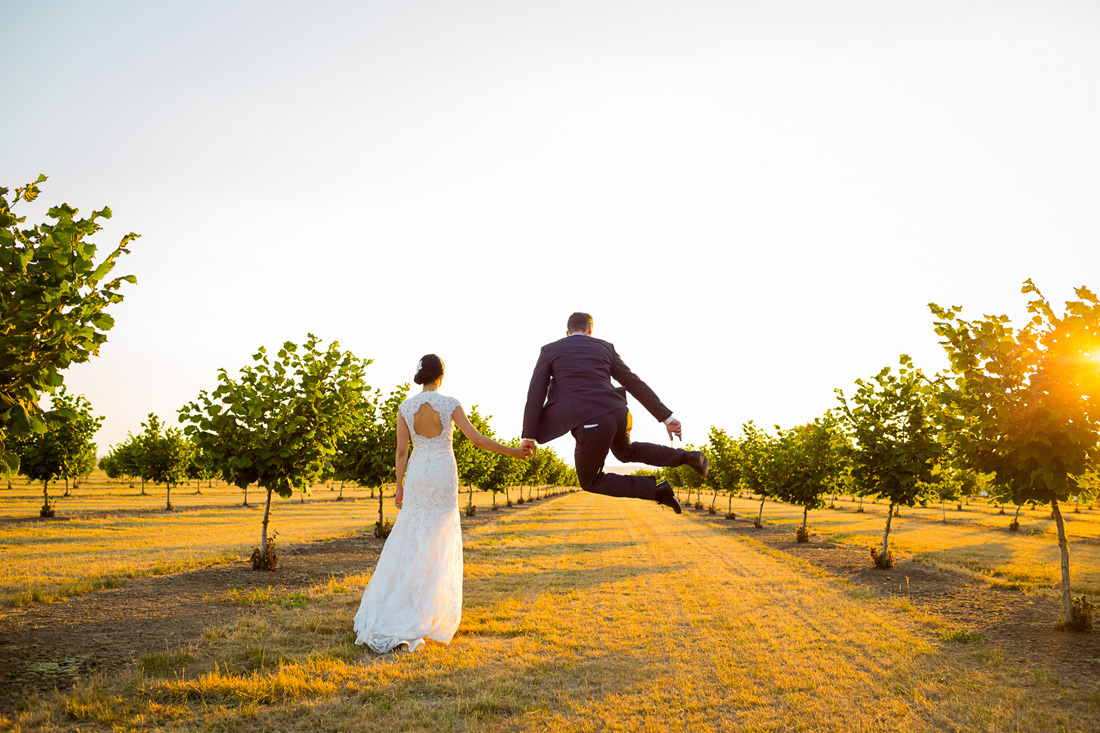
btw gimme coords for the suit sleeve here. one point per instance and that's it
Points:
(536, 397)
(635, 386)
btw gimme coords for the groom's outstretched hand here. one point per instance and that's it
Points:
(674, 429)
(529, 448)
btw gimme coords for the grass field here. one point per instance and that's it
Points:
(587, 613)
(105, 533)
(972, 540)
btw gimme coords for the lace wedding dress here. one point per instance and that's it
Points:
(415, 592)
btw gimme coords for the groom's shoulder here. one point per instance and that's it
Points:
(577, 343)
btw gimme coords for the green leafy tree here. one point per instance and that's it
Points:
(278, 422)
(129, 455)
(892, 419)
(166, 455)
(810, 462)
(725, 457)
(756, 447)
(685, 477)
(365, 454)
(505, 474)
(557, 473)
(109, 465)
(201, 468)
(1023, 406)
(53, 302)
(62, 450)
(537, 471)
(475, 466)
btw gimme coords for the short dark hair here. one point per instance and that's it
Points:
(579, 322)
(429, 369)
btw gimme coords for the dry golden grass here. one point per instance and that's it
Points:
(106, 532)
(973, 540)
(587, 613)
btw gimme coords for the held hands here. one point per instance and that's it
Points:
(528, 449)
(674, 430)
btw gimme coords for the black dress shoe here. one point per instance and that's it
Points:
(665, 495)
(698, 460)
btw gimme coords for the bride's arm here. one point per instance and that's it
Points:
(468, 429)
(401, 458)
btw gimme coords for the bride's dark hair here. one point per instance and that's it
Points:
(429, 369)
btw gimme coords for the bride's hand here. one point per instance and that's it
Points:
(520, 453)
(398, 499)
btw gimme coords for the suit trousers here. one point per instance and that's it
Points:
(611, 432)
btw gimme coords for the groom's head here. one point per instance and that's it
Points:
(579, 323)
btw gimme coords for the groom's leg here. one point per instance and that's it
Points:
(594, 440)
(650, 454)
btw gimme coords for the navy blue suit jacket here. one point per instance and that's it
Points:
(571, 385)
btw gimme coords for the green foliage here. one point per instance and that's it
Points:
(893, 420)
(65, 449)
(166, 455)
(127, 457)
(507, 472)
(278, 423)
(366, 453)
(684, 476)
(755, 448)
(53, 302)
(558, 472)
(475, 466)
(809, 461)
(1023, 404)
(725, 457)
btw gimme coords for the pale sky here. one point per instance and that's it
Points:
(755, 200)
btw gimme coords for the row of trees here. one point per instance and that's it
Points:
(1016, 413)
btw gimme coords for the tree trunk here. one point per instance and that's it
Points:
(886, 534)
(805, 515)
(470, 503)
(381, 491)
(861, 503)
(1063, 547)
(66, 486)
(245, 495)
(943, 508)
(263, 532)
(168, 498)
(713, 500)
(760, 515)
(46, 494)
(494, 501)
(143, 486)
(341, 496)
(729, 507)
(1017, 517)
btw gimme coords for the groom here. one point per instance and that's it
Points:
(571, 391)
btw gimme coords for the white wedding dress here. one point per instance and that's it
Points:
(415, 592)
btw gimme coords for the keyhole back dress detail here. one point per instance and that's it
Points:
(415, 592)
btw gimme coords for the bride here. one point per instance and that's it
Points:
(415, 592)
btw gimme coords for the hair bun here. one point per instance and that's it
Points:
(428, 369)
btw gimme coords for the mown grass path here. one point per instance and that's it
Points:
(587, 613)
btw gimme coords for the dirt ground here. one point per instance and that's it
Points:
(48, 645)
